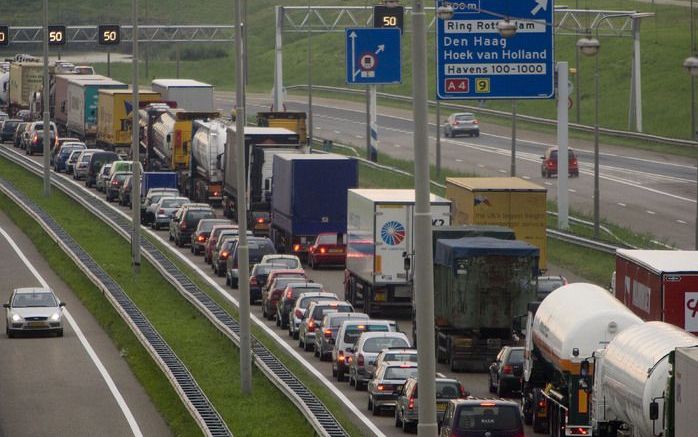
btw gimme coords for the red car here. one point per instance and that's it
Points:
(328, 249)
(549, 166)
(276, 285)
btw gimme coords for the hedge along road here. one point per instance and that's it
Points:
(79, 383)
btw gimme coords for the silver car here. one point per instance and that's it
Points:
(33, 309)
(365, 352)
(103, 177)
(164, 209)
(462, 123)
(83, 163)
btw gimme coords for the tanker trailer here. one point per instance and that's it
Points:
(632, 373)
(563, 332)
(208, 148)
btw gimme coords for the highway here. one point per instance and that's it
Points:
(649, 192)
(75, 385)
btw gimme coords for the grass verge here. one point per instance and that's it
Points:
(210, 356)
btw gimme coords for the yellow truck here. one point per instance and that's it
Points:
(26, 78)
(293, 121)
(114, 116)
(512, 202)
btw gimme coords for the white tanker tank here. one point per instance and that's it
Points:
(570, 324)
(632, 372)
(4, 88)
(208, 148)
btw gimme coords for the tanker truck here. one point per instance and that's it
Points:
(562, 334)
(633, 380)
(208, 148)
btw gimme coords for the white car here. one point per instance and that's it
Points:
(367, 348)
(290, 261)
(33, 309)
(295, 316)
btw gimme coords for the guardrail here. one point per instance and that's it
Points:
(194, 399)
(317, 414)
(528, 118)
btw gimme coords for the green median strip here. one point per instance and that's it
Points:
(210, 356)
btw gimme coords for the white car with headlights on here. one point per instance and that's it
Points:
(34, 309)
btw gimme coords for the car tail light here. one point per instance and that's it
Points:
(35, 138)
(476, 121)
(216, 193)
(578, 431)
(311, 325)
(200, 238)
(507, 370)
(340, 357)
(115, 183)
(323, 250)
(260, 220)
(360, 360)
(541, 403)
(161, 211)
(380, 387)
(327, 332)
(224, 255)
(289, 294)
(183, 226)
(410, 403)
(296, 247)
(551, 164)
(488, 404)
(463, 394)
(253, 280)
(299, 314)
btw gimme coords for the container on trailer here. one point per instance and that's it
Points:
(191, 95)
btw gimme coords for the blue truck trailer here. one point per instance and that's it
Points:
(309, 197)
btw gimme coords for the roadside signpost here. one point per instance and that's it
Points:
(474, 61)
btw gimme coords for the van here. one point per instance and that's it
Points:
(348, 334)
(97, 160)
(123, 166)
(477, 417)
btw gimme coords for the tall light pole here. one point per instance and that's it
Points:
(47, 120)
(135, 152)
(310, 81)
(241, 206)
(424, 269)
(590, 47)
(691, 66)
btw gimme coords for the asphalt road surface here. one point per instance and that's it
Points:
(51, 385)
(648, 192)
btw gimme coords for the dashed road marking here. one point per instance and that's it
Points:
(650, 212)
(572, 190)
(681, 222)
(502, 171)
(397, 145)
(526, 177)
(622, 204)
(550, 184)
(337, 132)
(481, 165)
(459, 160)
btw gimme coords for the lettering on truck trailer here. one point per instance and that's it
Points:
(691, 311)
(641, 296)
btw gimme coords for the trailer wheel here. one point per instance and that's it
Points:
(451, 362)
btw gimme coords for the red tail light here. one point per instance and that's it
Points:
(551, 164)
(476, 121)
(380, 387)
(579, 431)
(200, 238)
(289, 294)
(299, 314)
(360, 360)
(410, 403)
(296, 247)
(463, 393)
(327, 332)
(161, 211)
(340, 356)
(260, 220)
(115, 183)
(253, 280)
(541, 403)
(183, 226)
(311, 325)
(224, 255)
(507, 370)
(323, 250)
(35, 138)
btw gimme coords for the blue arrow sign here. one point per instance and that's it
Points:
(474, 61)
(373, 55)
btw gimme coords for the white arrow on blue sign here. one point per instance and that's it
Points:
(373, 55)
(474, 61)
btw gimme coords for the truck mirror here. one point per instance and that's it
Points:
(584, 368)
(654, 410)
(266, 185)
(407, 261)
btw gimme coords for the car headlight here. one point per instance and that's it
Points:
(16, 317)
(55, 317)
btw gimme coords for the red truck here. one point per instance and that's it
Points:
(659, 285)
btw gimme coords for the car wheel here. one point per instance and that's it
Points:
(351, 380)
(376, 411)
(300, 342)
(307, 346)
(278, 319)
(500, 390)
(452, 134)
(290, 331)
(334, 372)
(227, 281)
(59, 333)
(370, 405)
(477, 134)
(406, 426)
(340, 375)
(295, 335)
(234, 282)
(357, 385)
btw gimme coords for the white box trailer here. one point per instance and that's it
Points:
(380, 225)
(685, 391)
(191, 95)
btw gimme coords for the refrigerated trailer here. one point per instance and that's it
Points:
(380, 227)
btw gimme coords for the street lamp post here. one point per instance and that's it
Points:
(590, 47)
(691, 66)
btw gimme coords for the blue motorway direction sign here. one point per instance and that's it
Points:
(373, 55)
(474, 61)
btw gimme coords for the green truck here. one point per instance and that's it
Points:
(480, 285)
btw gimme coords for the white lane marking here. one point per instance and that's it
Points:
(397, 145)
(481, 165)
(622, 204)
(359, 137)
(526, 177)
(571, 190)
(681, 222)
(502, 171)
(83, 340)
(459, 160)
(337, 132)
(317, 128)
(550, 184)
(650, 212)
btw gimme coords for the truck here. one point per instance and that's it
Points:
(659, 285)
(157, 179)
(562, 334)
(208, 150)
(512, 202)
(191, 95)
(461, 231)
(26, 78)
(114, 117)
(82, 100)
(380, 226)
(59, 96)
(261, 144)
(480, 285)
(309, 197)
(634, 377)
(294, 121)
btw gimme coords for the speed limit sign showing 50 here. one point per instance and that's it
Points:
(109, 34)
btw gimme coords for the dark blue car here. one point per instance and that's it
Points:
(59, 162)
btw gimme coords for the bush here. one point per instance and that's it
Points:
(198, 52)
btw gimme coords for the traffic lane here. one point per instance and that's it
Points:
(55, 376)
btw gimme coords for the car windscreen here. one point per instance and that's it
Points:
(336, 321)
(194, 215)
(207, 225)
(259, 249)
(553, 155)
(305, 303)
(444, 389)
(546, 286)
(120, 177)
(516, 356)
(289, 263)
(320, 310)
(10, 125)
(173, 203)
(379, 343)
(464, 117)
(398, 372)
(399, 356)
(490, 418)
(281, 283)
(352, 333)
(29, 300)
(297, 291)
(85, 158)
(66, 151)
(330, 239)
